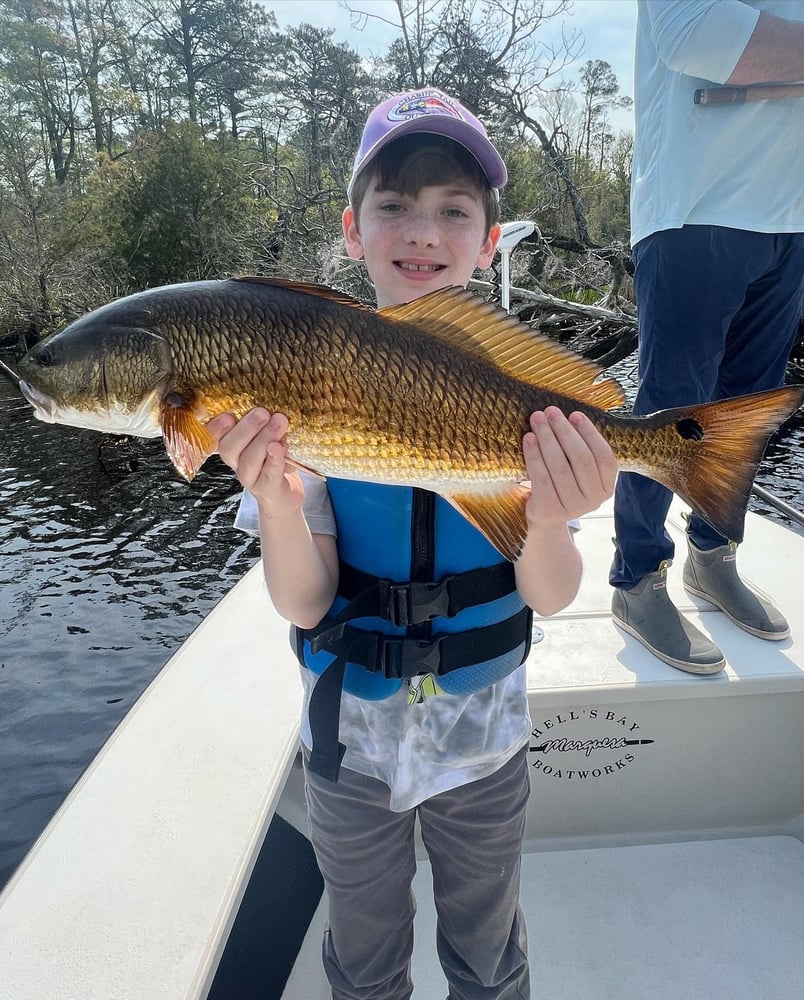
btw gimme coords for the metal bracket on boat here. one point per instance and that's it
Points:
(782, 506)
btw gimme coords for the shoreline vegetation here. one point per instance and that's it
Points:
(151, 144)
(147, 145)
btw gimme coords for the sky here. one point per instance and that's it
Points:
(608, 28)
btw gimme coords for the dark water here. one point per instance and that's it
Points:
(107, 562)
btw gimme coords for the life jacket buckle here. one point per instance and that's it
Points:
(414, 603)
(402, 657)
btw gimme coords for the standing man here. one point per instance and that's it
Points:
(717, 227)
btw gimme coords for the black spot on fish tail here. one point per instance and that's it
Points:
(690, 429)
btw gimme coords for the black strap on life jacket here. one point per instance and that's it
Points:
(411, 605)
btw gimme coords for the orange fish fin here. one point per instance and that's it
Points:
(499, 516)
(187, 441)
(468, 322)
(722, 445)
(307, 288)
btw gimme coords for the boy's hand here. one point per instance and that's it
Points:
(256, 448)
(570, 465)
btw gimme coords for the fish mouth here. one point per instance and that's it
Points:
(45, 407)
(140, 420)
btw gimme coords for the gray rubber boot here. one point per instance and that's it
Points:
(713, 575)
(647, 613)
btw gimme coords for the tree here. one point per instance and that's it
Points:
(36, 61)
(600, 93)
(476, 47)
(179, 209)
(208, 38)
(51, 263)
(89, 43)
(234, 86)
(323, 96)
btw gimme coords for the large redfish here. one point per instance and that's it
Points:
(435, 394)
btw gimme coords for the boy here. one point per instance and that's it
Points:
(424, 213)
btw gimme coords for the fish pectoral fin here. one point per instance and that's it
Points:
(187, 441)
(499, 516)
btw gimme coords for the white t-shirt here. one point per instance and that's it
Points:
(733, 165)
(418, 750)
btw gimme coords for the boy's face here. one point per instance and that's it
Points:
(417, 244)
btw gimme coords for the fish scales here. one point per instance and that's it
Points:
(328, 378)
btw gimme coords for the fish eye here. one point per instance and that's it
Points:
(46, 357)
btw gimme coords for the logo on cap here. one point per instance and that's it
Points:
(428, 102)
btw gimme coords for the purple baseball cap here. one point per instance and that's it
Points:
(428, 111)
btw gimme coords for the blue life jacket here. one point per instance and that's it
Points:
(420, 591)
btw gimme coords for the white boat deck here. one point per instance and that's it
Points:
(668, 868)
(706, 920)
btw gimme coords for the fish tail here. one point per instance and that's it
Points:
(727, 439)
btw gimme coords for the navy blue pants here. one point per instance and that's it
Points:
(718, 316)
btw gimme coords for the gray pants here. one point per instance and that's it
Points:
(473, 836)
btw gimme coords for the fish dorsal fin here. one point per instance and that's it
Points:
(467, 321)
(308, 288)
